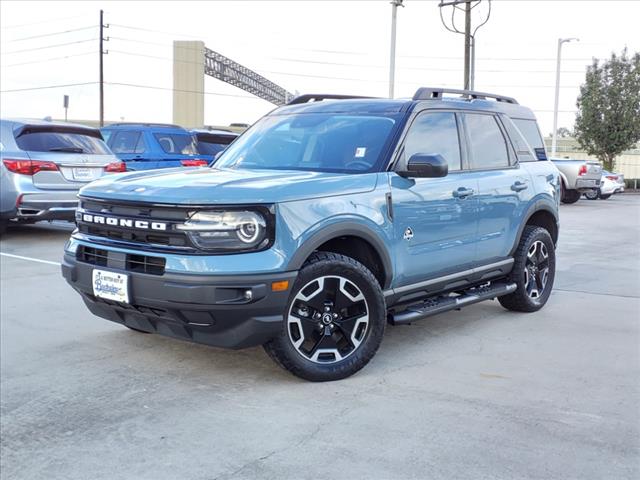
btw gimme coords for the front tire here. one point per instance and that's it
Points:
(533, 271)
(334, 320)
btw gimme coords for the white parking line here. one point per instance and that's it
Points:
(29, 259)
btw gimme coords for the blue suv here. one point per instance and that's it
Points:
(147, 146)
(329, 218)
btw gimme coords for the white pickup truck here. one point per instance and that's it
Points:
(578, 177)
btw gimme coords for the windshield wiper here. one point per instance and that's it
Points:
(67, 149)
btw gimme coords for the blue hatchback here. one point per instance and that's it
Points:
(146, 146)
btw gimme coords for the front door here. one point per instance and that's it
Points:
(434, 218)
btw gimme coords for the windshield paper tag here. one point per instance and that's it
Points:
(360, 152)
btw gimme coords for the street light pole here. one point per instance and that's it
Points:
(554, 134)
(392, 55)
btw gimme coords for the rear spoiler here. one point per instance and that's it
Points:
(24, 129)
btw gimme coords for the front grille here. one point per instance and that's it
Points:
(94, 256)
(132, 263)
(145, 264)
(173, 239)
(147, 238)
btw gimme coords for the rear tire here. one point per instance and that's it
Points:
(334, 320)
(592, 195)
(604, 197)
(570, 196)
(533, 271)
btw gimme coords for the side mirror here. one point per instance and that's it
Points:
(426, 165)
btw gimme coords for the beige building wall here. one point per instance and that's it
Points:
(188, 83)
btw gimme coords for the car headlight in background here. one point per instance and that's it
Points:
(227, 230)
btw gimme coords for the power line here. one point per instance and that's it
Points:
(48, 34)
(51, 20)
(47, 60)
(173, 34)
(153, 87)
(47, 87)
(48, 46)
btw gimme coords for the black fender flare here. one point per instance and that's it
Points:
(539, 205)
(342, 229)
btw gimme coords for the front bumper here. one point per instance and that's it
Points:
(208, 309)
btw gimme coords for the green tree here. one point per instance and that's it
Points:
(608, 119)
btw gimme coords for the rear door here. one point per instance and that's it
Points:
(79, 155)
(435, 219)
(504, 188)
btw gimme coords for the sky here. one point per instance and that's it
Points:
(303, 46)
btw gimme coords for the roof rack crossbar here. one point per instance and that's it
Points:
(427, 93)
(313, 97)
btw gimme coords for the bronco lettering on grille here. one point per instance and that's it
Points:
(124, 222)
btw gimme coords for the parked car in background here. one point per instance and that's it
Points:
(611, 183)
(211, 142)
(577, 176)
(146, 146)
(44, 164)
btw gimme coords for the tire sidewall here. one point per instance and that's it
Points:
(538, 234)
(364, 280)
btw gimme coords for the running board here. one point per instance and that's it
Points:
(441, 304)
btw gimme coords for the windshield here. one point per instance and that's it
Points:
(183, 144)
(323, 142)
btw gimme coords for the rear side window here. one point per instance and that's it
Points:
(61, 141)
(529, 129)
(127, 142)
(487, 143)
(434, 133)
(176, 143)
(523, 149)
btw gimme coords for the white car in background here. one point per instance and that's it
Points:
(610, 183)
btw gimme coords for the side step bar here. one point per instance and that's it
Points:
(441, 304)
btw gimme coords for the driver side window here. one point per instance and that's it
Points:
(434, 133)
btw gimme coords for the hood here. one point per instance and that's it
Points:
(202, 186)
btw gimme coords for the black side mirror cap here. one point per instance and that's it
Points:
(426, 165)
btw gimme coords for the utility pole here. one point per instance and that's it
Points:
(469, 33)
(392, 56)
(102, 54)
(554, 135)
(467, 44)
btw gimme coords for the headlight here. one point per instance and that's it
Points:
(229, 230)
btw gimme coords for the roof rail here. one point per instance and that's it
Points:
(317, 97)
(146, 124)
(427, 93)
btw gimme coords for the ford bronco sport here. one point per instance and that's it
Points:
(329, 218)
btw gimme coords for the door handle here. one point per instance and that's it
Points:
(518, 186)
(462, 192)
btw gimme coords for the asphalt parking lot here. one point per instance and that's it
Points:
(480, 393)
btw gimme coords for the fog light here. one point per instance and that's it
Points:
(248, 295)
(280, 286)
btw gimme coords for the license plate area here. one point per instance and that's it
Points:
(111, 285)
(84, 174)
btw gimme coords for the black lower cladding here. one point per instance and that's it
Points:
(210, 309)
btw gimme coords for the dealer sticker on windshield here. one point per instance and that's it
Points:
(110, 285)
